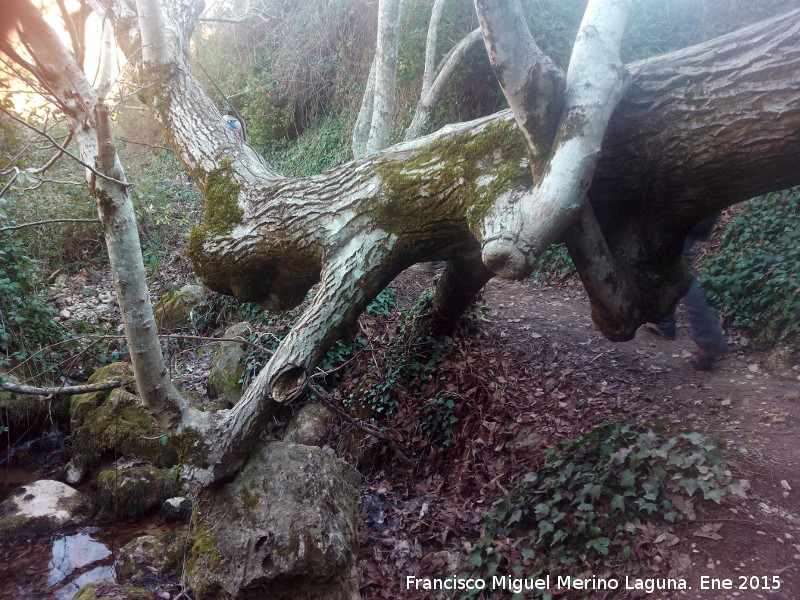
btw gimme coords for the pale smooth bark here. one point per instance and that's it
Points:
(91, 123)
(429, 99)
(516, 232)
(382, 85)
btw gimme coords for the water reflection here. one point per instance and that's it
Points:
(71, 553)
(67, 591)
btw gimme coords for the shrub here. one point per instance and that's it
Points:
(753, 278)
(585, 506)
(27, 326)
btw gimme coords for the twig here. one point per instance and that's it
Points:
(194, 337)
(68, 390)
(34, 223)
(77, 159)
(327, 402)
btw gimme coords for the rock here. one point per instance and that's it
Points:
(309, 425)
(228, 366)
(103, 590)
(153, 560)
(75, 471)
(131, 492)
(177, 509)
(781, 362)
(117, 423)
(290, 530)
(42, 506)
(174, 309)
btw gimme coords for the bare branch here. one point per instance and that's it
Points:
(64, 150)
(66, 390)
(329, 403)
(37, 223)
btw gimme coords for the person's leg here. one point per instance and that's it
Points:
(706, 332)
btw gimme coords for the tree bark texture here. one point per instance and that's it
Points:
(686, 139)
(57, 71)
(378, 104)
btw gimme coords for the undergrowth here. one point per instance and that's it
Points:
(588, 505)
(753, 278)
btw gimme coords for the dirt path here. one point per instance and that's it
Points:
(757, 414)
(542, 372)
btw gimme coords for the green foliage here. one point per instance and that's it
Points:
(753, 278)
(439, 419)
(166, 209)
(554, 263)
(27, 326)
(324, 145)
(583, 508)
(383, 304)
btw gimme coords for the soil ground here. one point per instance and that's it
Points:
(531, 371)
(547, 374)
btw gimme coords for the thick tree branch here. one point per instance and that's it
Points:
(516, 232)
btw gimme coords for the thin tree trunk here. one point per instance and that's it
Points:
(92, 125)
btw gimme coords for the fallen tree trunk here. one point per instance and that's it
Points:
(681, 144)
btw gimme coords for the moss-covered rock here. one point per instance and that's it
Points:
(174, 309)
(309, 425)
(290, 533)
(131, 492)
(228, 366)
(43, 506)
(117, 423)
(102, 590)
(82, 404)
(152, 560)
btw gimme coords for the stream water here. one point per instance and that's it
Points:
(56, 566)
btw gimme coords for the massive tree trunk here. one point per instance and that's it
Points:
(695, 130)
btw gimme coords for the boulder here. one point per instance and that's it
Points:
(103, 590)
(154, 561)
(290, 529)
(42, 507)
(177, 509)
(781, 362)
(309, 425)
(133, 491)
(228, 366)
(117, 423)
(174, 309)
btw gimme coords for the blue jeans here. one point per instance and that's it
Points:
(705, 328)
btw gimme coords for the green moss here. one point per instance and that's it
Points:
(83, 404)
(189, 446)
(12, 524)
(131, 492)
(124, 592)
(205, 555)
(123, 426)
(221, 193)
(476, 166)
(249, 500)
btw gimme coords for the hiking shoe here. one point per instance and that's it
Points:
(665, 331)
(705, 357)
